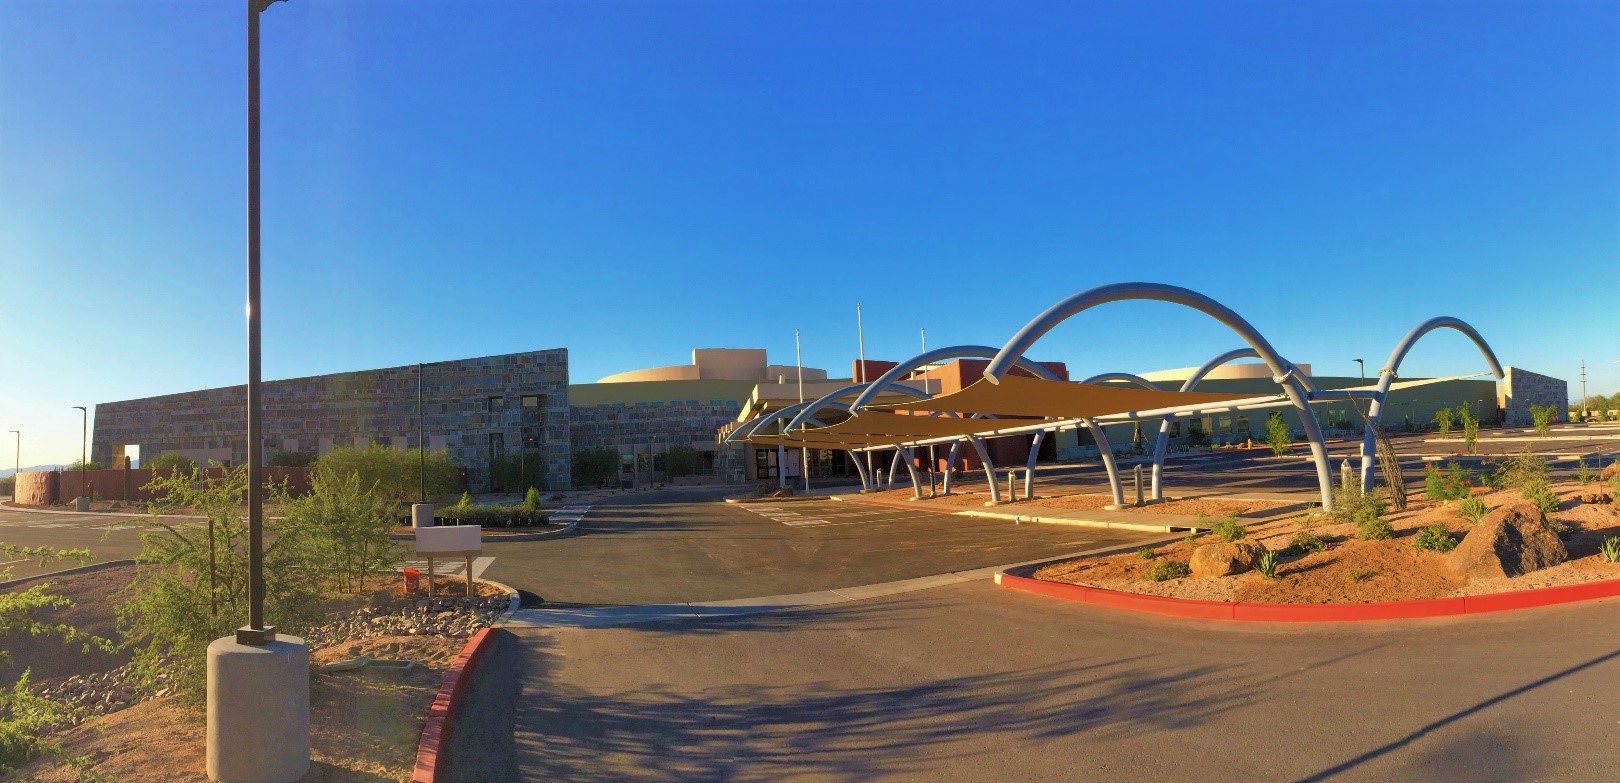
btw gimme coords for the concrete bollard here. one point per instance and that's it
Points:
(421, 515)
(258, 711)
(1344, 476)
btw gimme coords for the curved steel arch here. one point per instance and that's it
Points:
(901, 370)
(1163, 443)
(752, 426)
(830, 399)
(1105, 450)
(1386, 376)
(1282, 371)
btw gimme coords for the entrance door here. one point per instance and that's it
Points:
(765, 463)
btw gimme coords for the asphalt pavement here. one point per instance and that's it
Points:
(978, 683)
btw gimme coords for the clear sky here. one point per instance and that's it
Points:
(631, 180)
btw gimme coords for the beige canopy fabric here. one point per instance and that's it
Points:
(876, 423)
(1021, 396)
(831, 442)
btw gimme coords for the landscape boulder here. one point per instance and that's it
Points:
(1610, 471)
(1212, 560)
(1512, 540)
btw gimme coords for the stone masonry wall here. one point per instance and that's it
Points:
(470, 407)
(1522, 388)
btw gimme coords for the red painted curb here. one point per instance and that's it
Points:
(436, 734)
(1314, 613)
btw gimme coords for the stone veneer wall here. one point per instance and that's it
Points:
(636, 424)
(1522, 388)
(467, 403)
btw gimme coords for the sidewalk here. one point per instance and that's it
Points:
(1119, 520)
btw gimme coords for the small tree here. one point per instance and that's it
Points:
(1470, 425)
(680, 460)
(1277, 434)
(347, 528)
(170, 461)
(1442, 419)
(1542, 416)
(1196, 436)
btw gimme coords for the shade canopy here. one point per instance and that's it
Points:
(1034, 397)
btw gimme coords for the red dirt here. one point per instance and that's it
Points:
(1356, 571)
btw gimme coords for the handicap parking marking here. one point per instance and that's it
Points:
(803, 522)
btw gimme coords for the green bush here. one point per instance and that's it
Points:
(679, 460)
(1305, 542)
(1442, 419)
(1519, 472)
(190, 584)
(531, 501)
(1611, 549)
(1228, 529)
(8, 485)
(1435, 538)
(1196, 437)
(1277, 434)
(1365, 511)
(1542, 417)
(510, 472)
(491, 515)
(1538, 493)
(395, 475)
(1472, 509)
(347, 529)
(1584, 473)
(1377, 529)
(293, 459)
(1146, 553)
(597, 467)
(1470, 425)
(170, 461)
(1165, 570)
(1454, 483)
(77, 465)
(1267, 564)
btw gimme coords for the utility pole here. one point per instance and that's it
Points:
(804, 451)
(17, 471)
(84, 455)
(1583, 390)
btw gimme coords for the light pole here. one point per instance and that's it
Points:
(258, 684)
(17, 466)
(1363, 365)
(84, 452)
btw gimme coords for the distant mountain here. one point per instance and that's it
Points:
(6, 472)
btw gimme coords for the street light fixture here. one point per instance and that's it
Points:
(1363, 365)
(84, 453)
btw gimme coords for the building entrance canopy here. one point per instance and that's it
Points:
(1020, 396)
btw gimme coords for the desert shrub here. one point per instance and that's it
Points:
(511, 472)
(170, 461)
(1435, 538)
(1442, 420)
(1543, 497)
(490, 516)
(27, 719)
(679, 460)
(1228, 529)
(1377, 529)
(1305, 542)
(1520, 471)
(77, 465)
(1356, 575)
(531, 501)
(346, 527)
(1560, 529)
(1365, 511)
(1584, 472)
(1267, 564)
(395, 475)
(190, 584)
(596, 467)
(1454, 483)
(8, 485)
(1472, 509)
(1196, 437)
(295, 459)
(1470, 425)
(1165, 570)
(1277, 434)
(1611, 549)
(1541, 417)
(1146, 553)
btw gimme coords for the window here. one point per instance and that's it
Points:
(531, 401)
(497, 404)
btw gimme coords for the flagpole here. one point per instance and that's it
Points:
(804, 451)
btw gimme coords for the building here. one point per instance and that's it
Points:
(480, 410)
(642, 413)
(1521, 389)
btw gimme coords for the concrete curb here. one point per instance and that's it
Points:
(513, 600)
(1018, 578)
(9, 506)
(84, 569)
(435, 738)
(511, 538)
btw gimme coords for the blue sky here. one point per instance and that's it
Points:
(634, 179)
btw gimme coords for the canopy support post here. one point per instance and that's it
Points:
(1029, 468)
(1106, 452)
(989, 468)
